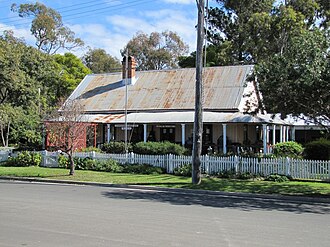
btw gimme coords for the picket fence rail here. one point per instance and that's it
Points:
(212, 165)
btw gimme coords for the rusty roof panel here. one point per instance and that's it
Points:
(164, 90)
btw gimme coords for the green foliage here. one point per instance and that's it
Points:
(98, 61)
(27, 85)
(229, 30)
(183, 170)
(300, 75)
(246, 175)
(110, 165)
(231, 174)
(156, 51)
(288, 149)
(227, 174)
(89, 149)
(158, 148)
(253, 31)
(47, 27)
(63, 161)
(142, 169)
(116, 147)
(71, 72)
(97, 165)
(24, 158)
(318, 150)
(27, 130)
(215, 55)
(277, 178)
(8, 114)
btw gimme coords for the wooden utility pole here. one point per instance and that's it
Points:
(198, 122)
(126, 101)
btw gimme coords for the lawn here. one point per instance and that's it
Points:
(170, 181)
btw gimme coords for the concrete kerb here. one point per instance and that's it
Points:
(193, 192)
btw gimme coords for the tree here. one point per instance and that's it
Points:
(8, 114)
(228, 26)
(297, 81)
(251, 31)
(24, 72)
(215, 55)
(156, 51)
(66, 128)
(98, 61)
(47, 27)
(71, 71)
(27, 81)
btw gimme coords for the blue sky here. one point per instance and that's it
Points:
(110, 24)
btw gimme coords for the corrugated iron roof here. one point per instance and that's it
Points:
(164, 90)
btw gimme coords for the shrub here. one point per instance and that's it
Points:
(227, 173)
(318, 150)
(158, 148)
(63, 161)
(277, 178)
(288, 149)
(116, 147)
(108, 165)
(89, 149)
(24, 158)
(142, 169)
(183, 170)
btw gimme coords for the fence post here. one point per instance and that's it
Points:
(132, 158)
(287, 164)
(207, 163)
(93, 155)
(236, 162)
(44, 157)
(170, 163)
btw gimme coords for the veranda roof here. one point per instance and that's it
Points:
(184, 117)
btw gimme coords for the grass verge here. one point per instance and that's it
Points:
(170, 181)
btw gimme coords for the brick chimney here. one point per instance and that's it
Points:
(131, 70)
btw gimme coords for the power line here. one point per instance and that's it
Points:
(69, 8)
(85, 13)
(64, 7)
(103, 10)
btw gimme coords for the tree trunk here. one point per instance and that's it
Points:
(198, 122)
(71, 164)
(2, 135)
(7, 136)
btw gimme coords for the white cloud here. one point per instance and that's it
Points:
(129, 25)
(99, 36)
(119, 28)
(150, 21)
(19, 32)
(112, 2)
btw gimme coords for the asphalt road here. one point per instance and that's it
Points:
(34, 214)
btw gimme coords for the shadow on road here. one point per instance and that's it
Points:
(221, 201)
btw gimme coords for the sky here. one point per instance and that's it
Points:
(110, 24)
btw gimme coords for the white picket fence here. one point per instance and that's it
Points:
(300, 169)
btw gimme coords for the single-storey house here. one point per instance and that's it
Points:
(159, 106)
